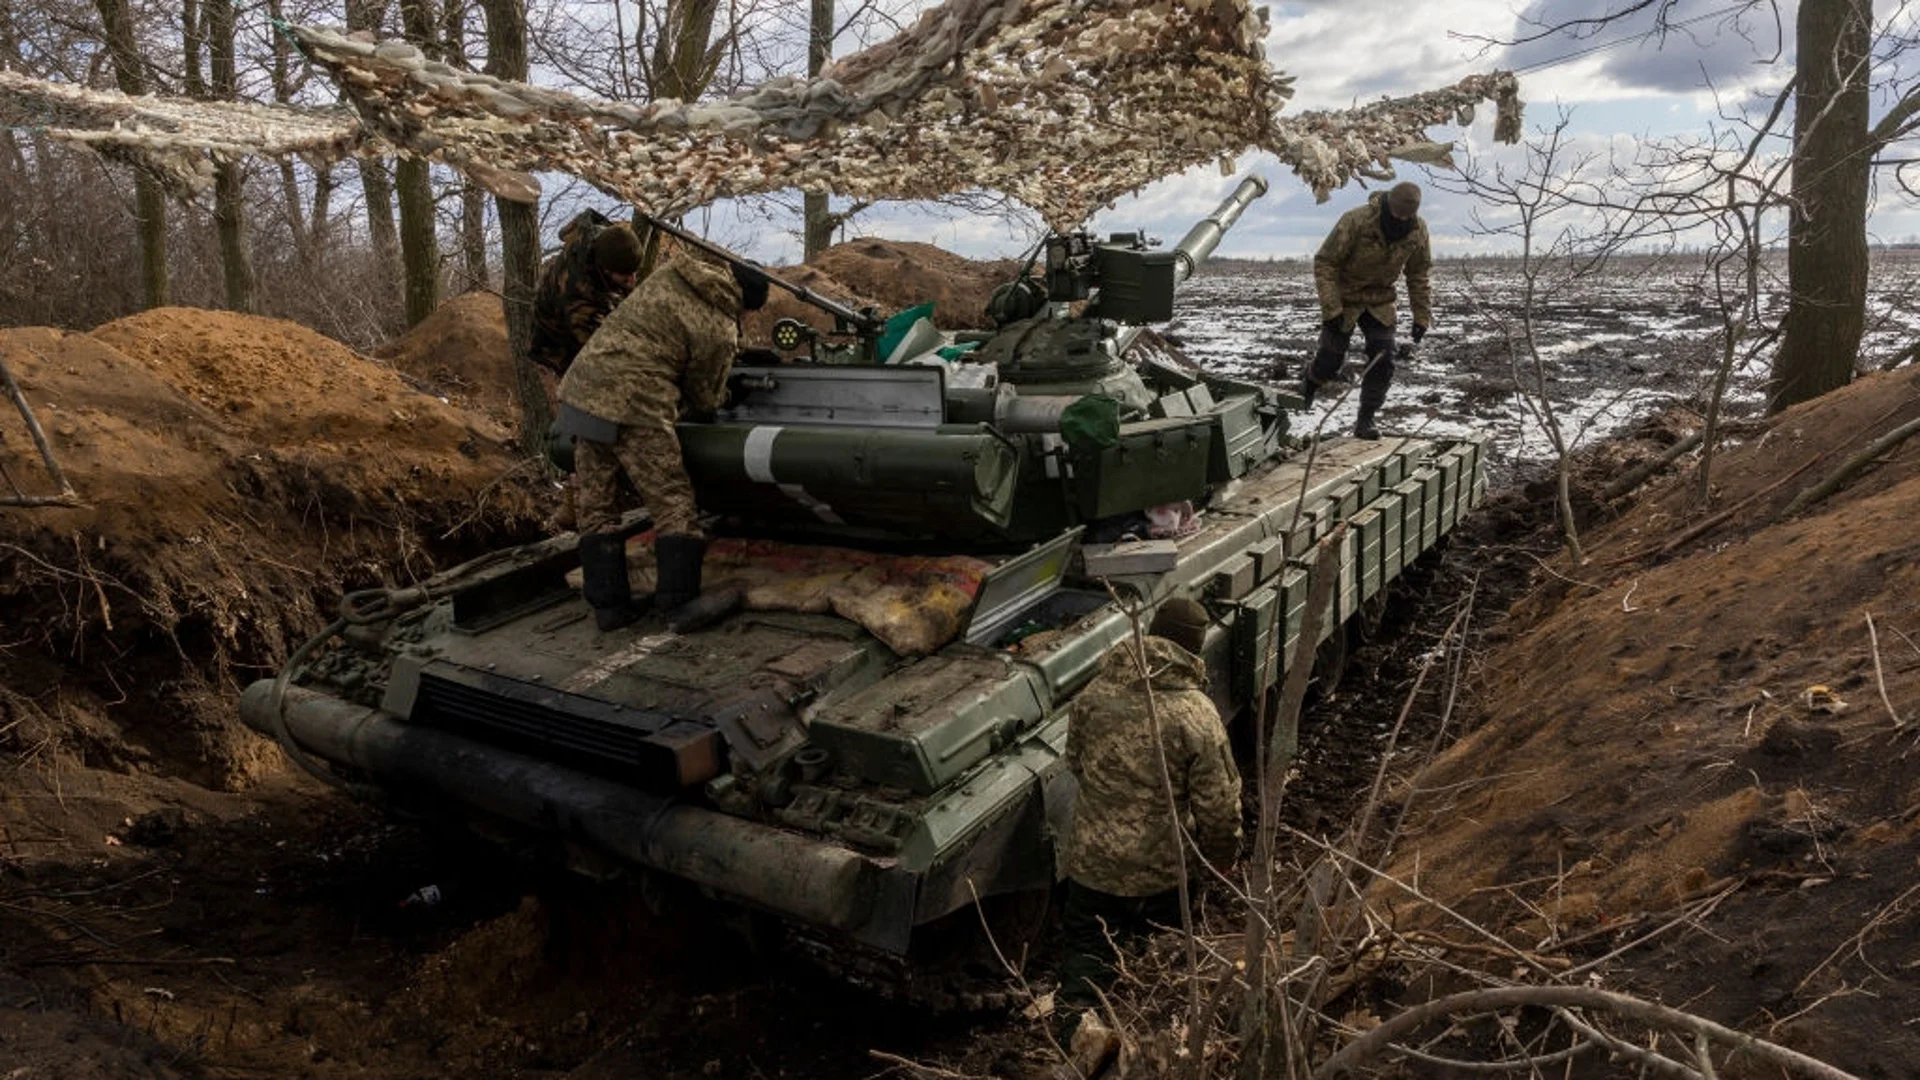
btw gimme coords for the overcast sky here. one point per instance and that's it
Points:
(1620, 84)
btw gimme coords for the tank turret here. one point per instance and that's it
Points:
(1000, 438)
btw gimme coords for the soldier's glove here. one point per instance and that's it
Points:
(1419, 331)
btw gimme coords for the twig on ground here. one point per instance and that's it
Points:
(1555, 573)
(128, 961)
(67, 496)
(1903, 637)
(1700, 528)
(1380, 1039)
(480, 500)
(923, 1072)
(1852, 467)
(1501, 943)
(1879, 679)
(1687, 915)
(1858, 939)
(1646, 1059)
(1639, 474)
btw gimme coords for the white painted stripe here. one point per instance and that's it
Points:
(589, 677)
(805, 498)
(758, 456)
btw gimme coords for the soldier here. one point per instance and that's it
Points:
(1123, 862)
(664, 352)
(1354, 272)
(593, 272)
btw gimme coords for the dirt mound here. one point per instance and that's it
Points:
(890, 276)
(1715, 716)
(460, 352)
(901, 273)
(235, 472)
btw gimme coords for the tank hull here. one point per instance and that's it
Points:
(932, 779)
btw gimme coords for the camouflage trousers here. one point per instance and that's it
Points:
(1331, 356)
(1092, 923)
(650, 456)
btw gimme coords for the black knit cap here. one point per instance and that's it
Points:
(1183, 622)
(1404, 199)
(617, 250)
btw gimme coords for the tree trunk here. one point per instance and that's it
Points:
(376, 184)
(192, 42)
(519, 235)
(818, 229)
(683, 61)
(229, 192)
(319, 227)
(376, 179)
(289, 175)
(296, 213)
(473, 235)
(150, 203)
(419, 245)
(1827, 230)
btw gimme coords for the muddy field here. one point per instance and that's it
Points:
(1616, 348)
(176, 902)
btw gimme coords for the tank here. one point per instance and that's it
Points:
(938, 537)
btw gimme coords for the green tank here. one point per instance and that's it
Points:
(807, 761)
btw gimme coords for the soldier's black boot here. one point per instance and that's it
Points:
(1364, 427)
(1307, 387)
(603, 580)
(678, 595)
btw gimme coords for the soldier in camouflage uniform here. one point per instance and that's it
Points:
(663, 353)
(1355, 272)
(1122, 860)
(580, 286)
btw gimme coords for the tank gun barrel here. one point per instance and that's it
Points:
(1193, 249)
(1200, 240)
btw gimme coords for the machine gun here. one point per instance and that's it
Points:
(862, 326)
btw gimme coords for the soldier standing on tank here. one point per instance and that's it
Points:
(1355, 272)
(594, 271)
(1122, 859)
(662, 354)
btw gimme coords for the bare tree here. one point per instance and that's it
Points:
(413, 181)
(1827, 237)
(473, 200)
(1840, 63)
(229, 198)
(816, 217)
(129, 74)
(519, 232)
(376, 181)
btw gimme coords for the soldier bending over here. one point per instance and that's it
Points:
(663, 353)
(1355, 272)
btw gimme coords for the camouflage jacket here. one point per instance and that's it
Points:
(1355, 269)
(571, 300)
(1121, 841)
(666, 349)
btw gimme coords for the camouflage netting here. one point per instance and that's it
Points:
(172, 137)
(1063, 105)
